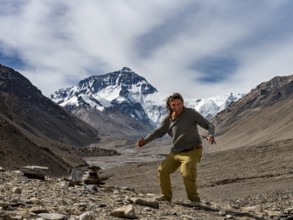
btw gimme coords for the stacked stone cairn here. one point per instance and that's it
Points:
(91, 176)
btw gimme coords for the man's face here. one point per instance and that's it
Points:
(176, 106)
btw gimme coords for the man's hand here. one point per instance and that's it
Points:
(173, 115)
(140, 143)
(211, 139)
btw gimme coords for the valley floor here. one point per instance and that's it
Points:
(248, 176)
(221, 175)
(245, 184)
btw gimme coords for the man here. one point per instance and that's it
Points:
(181, 124)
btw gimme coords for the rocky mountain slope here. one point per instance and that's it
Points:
(34, 130)
(107, 102)
(263, 115)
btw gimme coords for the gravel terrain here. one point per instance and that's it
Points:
(256, 177)
(245, 183)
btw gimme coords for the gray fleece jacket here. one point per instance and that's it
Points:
(183, 130)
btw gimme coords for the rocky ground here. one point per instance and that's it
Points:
(25, 198)
(246, 183)
(255, 178)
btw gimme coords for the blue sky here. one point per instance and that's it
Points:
(198, 48)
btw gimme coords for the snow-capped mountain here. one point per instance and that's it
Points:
(132, 95)
(121, 90)
(209, 107)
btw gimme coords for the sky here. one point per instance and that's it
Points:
(198, 48)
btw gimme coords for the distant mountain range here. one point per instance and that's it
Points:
(120, 106)
(124, 93)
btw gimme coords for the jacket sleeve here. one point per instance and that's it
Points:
(204, 123)
(211, 129)
(159, 132)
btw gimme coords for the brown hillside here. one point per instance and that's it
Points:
(262, 116)
(36, 131)
(19, 147)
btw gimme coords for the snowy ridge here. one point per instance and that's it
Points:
(131, 94)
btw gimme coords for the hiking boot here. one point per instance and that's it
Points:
(196, 203)
(162, 198)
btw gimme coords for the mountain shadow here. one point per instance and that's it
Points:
(35, 130)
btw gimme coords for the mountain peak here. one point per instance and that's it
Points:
(120, 90)
(126, 69)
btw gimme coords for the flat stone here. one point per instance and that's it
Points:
(124, 212)
(52, 216)
(34, 171)
(146, 202)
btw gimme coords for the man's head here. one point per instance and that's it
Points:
(175, 103)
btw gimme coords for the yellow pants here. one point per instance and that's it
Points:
(187, 162)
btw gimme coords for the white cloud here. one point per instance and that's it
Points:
(62, 42)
